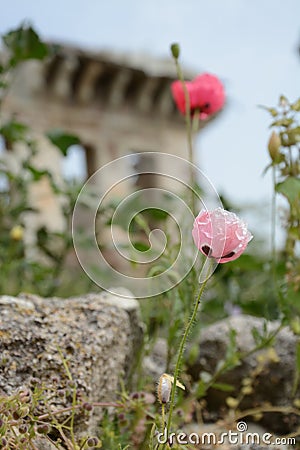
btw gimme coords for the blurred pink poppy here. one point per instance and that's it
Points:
(220, 234)
(206, 94)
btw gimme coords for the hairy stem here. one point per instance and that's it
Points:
(180, 354)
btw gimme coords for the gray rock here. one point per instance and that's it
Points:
(272, 384)
(43, 444)
(154, 365)
(97, 336)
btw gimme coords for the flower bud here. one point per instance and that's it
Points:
(23, 429)
(71, 384)
(3, 442)
(274, 146)
(164, 387)
(17, 233)
(25, 395)
(175, 50)
(232, 402)
(246, 381)
(44, 428)
(61, 393)
(257, 417)
(92, 442)
(135, 395)
(34, 381)
(272, 355)
(16, 415)
(24, 411)
(283, 101)
(87, 406)
(247, 390)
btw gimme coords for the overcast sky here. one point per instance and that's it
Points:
(251, 45)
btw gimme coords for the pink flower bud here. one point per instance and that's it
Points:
(206, 94)
(220, 234)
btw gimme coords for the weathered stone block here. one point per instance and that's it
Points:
(96, 336)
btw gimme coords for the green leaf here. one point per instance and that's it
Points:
(193, 354)
(232, 340)
(223, 387)
(201, 389)
(62, 140)
(141, 246)
(290, 137)
(14, 131)
(296, 105)
(267, 168)
(232, 358)
(256, 336)
(36, 173)
(24, 43)
(157, 214)
(286, 122)
(294, 233)
(283, 100)
(139, 219)
(272, 111)
(156, 270)
(3, 85)
(290, 188)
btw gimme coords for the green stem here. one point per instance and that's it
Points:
(187, 111)
(189, 132)
(83, 444)
(277, 289)
(72, 431)
(273, 220)
(180, 354)
(163, 417)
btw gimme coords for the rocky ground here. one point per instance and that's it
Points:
(96, 339)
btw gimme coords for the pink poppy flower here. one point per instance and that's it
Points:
(220, 234)
(206, 93)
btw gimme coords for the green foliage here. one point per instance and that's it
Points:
(286, 179)
(13, 132)
(62, 140)
(42, 274)
(290, 188)
(24, 43)
(297, 375)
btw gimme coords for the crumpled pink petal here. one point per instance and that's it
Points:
(220, 234)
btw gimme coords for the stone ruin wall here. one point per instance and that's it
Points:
(116, 106)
